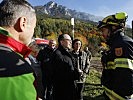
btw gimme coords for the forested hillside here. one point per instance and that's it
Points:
(50, 28)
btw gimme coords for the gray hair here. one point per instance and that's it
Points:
(12, 10)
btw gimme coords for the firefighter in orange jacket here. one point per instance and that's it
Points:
(118, 73)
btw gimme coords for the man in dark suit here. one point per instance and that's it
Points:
(63, 70)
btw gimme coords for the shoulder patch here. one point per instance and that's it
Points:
(118, 51)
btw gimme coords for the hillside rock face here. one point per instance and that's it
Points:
(53, 9)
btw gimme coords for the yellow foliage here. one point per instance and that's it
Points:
(52, 36)
(103, 44)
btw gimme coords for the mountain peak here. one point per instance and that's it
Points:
(53, 9)
(51, 4)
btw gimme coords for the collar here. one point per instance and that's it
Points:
(75, 52)
(79, 53)
(13, 44)
(114, 36)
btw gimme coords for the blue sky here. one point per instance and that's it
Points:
(95, 7)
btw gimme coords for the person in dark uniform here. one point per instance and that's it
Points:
(118, 72)
(63, 70)
(82, 64)
(37, 69)
(44, 57)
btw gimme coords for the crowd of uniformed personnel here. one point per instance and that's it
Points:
(58, 72)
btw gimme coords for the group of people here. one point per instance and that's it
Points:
(27, 73)
(63, 70)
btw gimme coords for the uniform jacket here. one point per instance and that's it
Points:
(120, 56)
(16, 75)
(44, 57)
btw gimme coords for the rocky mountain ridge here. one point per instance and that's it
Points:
(53, 9)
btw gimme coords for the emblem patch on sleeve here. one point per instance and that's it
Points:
(118, 51)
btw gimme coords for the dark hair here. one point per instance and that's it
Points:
(12, 10)
(61, 37)
(75, 40)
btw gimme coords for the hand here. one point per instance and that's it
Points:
(39, 99)
(80, 72)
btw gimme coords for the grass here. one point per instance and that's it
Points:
(93, 89)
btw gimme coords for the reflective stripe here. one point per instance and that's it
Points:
(121, 63)
(124, 63)
(112, 95)
(110, 65)
(130, 97)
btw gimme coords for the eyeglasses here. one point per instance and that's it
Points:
(68, 40)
